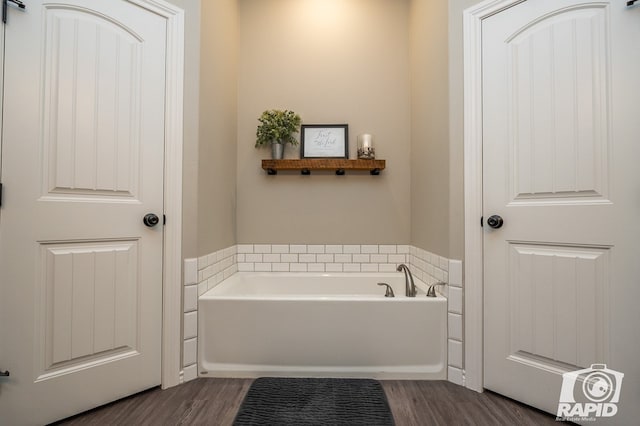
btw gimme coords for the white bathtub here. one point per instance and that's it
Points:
(314, 324)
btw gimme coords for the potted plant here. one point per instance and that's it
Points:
(276, 128)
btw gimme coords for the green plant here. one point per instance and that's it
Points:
(277, 126)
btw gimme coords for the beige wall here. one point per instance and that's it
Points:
(216, 221)
(332, 61)
(429, 127)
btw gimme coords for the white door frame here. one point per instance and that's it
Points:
(473, 248)
(172, 245)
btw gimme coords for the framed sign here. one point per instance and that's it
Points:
(324, 141)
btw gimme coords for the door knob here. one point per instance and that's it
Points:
(495, 221)
(151, 220)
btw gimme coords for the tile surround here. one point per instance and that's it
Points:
(207, 271)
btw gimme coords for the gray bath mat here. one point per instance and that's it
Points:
(293, 401)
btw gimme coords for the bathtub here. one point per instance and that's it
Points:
(316, 324)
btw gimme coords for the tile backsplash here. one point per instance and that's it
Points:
(207, 271)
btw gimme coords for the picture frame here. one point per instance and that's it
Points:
(324, 141)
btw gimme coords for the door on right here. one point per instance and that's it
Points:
(561, 169)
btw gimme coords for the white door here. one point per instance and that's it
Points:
(561, 153)
(82, 163)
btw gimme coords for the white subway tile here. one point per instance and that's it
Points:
(343, 258)
(361, 258)
(397, 258)
(315, 248)
(190, 271)
(190, 325)
(334, 249)
(245, 267)
(280, 267)
(280, 248)
(351, 267)
(291, 258)
(201, 275)
(379, 258)
(454, 375)
(202, 262)
(444, 263)
(369, 267)
(202, 288)
(190, 298)
(351, 249)
(298, 267)
(271, 258)
(315, 267)
(253, 257)
(324, 258)
(189, 352)
(219, 278)
(241, 258)
(297, 248)
(403, 249)
(455, 353)
(455, 273)
(454, 326)
(230, 251)
(388, 249)
(190, 373)
(455, 300)
(334, 267)
(387, 267)
(307, 258)
(262, 248)
(413, 250)
(211, 258)
(262, 267)
(228, 272)
(369, 248)
(245, 248)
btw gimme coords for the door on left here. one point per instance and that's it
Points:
(82, 164)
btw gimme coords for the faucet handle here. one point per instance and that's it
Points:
(431, 292)
(389, 292)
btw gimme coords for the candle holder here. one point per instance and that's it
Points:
(366, 151)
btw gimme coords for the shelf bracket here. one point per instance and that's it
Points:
(340, 172)
(272, 172)
(305, 172)
(375, 172)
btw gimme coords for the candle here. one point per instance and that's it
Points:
(365, 147)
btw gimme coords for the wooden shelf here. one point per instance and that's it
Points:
(339, 165)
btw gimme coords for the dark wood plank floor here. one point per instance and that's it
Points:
(216, 401)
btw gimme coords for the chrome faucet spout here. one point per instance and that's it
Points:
(410, 286)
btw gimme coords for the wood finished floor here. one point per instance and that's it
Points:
(216, 401)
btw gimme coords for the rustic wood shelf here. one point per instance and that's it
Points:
(339, 165)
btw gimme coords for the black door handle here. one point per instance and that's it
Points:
(150, 220)
(495, 221)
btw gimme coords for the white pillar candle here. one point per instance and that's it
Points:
(366, 140)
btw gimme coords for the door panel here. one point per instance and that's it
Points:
(92, 88)
(82, 163)
(560, 166)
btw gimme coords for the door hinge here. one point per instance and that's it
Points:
(4, 373)
(5, 3)
(0, 194)
(164, 219)
(481, 219)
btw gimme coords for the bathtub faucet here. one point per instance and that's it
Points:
(410, 286)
